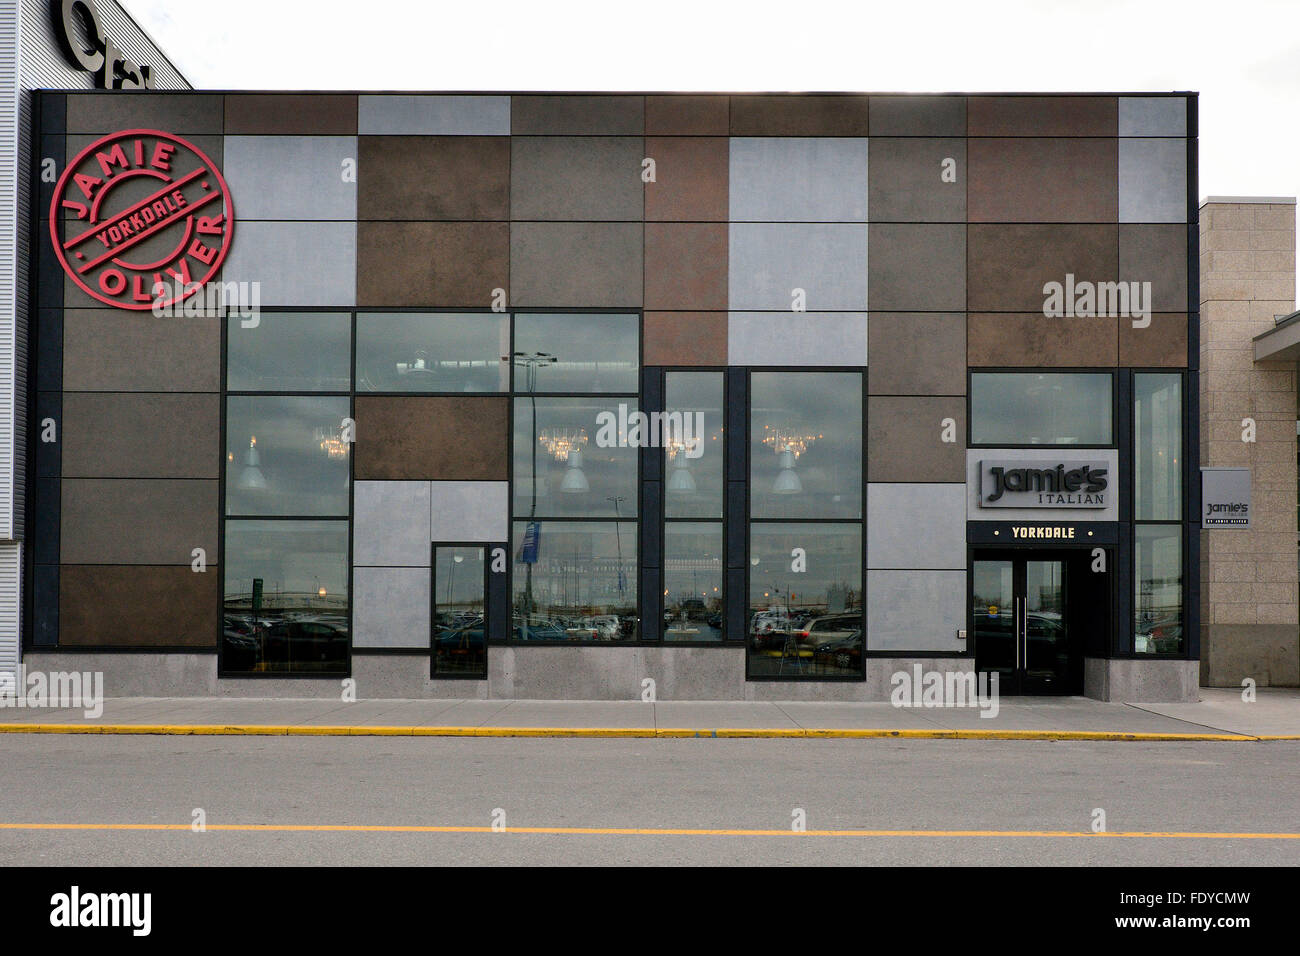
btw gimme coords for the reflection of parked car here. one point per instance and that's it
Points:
(319, 641)
(460, 649)
(240, 650)
(540, 631)
(843, 651)
(1163, 635)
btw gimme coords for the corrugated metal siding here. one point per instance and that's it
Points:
(30, 58)
(11, 602)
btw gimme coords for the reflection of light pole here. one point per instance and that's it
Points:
(618, 539)
(530, 363)
(455, 560)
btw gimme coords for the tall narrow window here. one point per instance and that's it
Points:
(287, 494)
(694, 452)
(459, 638)
(1158, 617)
(806, 532)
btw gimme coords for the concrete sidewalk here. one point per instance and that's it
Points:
(1219, 715)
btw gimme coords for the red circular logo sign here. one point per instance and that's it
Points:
(147, 219)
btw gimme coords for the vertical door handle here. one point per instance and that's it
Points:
(1020, 629)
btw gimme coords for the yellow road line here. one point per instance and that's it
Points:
(650, 831)
(309, 730)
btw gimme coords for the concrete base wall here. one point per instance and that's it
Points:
(523, 673)
(1269, 654)
(1135, 681)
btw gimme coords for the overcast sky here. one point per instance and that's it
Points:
(1242, 56)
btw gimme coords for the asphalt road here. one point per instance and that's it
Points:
(1032, 788)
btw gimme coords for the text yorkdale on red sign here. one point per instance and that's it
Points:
(146, 219)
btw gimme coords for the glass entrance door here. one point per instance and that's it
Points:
(1022, 625)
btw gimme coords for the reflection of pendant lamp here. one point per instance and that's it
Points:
(575, 481)
(787, 482)
(251, 478)
(681, 480)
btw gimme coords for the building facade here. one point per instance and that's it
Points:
(1249, 347)
(599, 396)
(81, 45)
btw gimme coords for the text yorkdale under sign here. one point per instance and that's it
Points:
(1038, 484)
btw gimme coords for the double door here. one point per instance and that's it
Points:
(1022, 622)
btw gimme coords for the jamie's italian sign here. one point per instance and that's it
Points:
(146, 219)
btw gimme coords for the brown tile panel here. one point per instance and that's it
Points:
(431, 264)
(795, 114)
(432, 438)
(687, 115)
(141, 435)
(918, 116)
(576, 178)
(1008, 265)
(686, 265)
(905, 184)
(904, 439)
(434, 177)
(576, 264)
(1156, 253)
(176, 112)
(560, 114)
(1043, 180)
(916, 267)
(916, 353)
(685, 338)
(180, 354)
(1162, 344)
(137, 521)
(1042, 116)
(1032, 339)
(138, 606)
(691, 178)
(298, 114)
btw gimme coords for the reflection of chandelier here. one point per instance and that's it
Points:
(787, 441)
(331, 443)
(560, 441)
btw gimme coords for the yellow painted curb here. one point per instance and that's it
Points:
(309, 730)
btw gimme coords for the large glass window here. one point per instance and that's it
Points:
(289, 352)
(1040, 408)
(585, 352)
(459, 620)
(432, 352)
(1157, 446)
(285, 597)
(1158, 589)
(805, 600)
(575, 581)
(805, 445)
(287, 455)
(573, 457)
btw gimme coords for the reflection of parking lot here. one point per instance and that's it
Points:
(286, 641)
(782, 644)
